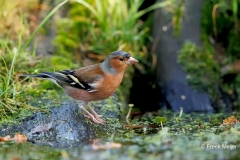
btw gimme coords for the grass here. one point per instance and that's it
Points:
(104, 26)
(12, 106)
(18, 95)
(14, 61)
(12, 102)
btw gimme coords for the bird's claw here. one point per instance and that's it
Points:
(95, 119)
(97, 116)
(100, 120)
(94, 116)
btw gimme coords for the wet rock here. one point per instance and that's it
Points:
(65, 125)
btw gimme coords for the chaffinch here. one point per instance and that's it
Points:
(91, 83)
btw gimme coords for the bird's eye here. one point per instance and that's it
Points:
(121, 59)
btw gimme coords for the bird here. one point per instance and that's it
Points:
(91, 83)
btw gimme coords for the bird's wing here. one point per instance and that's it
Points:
(86, 78)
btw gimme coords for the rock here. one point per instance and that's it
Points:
(65, 125)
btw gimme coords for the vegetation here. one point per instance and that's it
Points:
(12, 103)
(182, 137)
(219, 58)
(91, 30)
(15, 92)
(193, 58)
(89, 33)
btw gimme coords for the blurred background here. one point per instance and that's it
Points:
(188, 50)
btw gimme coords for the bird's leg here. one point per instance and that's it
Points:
(89, 115)
(98, 117)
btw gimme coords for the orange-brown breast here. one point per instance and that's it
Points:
(109, 85)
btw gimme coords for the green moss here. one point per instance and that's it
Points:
(111, 105)
(233, 90)
(220, 38)
(185, 140)
(202, 70)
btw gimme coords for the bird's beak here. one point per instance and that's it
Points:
(132, 60)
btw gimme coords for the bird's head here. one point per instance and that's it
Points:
(120, 60)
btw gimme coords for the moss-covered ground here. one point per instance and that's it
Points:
(191, 136)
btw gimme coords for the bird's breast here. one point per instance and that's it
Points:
(109, 84)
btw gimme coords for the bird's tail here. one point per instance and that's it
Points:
(43, 75)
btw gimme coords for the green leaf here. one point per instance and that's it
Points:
(160, 119)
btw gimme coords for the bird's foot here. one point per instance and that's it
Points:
(93, 117)
(97, 116)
